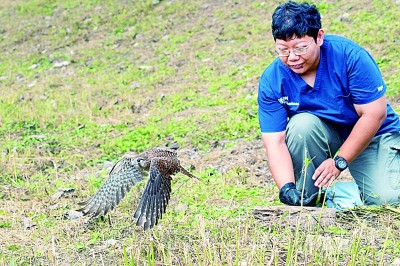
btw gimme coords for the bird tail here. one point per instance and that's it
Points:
(186, 172)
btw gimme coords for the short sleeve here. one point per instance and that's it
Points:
(365, 80)
(272, 114)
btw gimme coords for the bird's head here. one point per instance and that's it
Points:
(141, 162)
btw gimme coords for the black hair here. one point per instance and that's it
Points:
(295, 19)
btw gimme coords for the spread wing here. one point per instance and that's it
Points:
(155, 197)
(123, 176)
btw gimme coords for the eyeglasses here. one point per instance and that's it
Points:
(296, 51)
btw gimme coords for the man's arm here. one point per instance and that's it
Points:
(372, 115)
(279, 160)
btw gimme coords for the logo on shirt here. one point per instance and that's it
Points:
(380, 88)
(285, 101)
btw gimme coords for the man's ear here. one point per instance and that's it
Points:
(320, 37)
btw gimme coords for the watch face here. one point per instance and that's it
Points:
(341, 163)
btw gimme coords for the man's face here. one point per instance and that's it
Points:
(303, 53)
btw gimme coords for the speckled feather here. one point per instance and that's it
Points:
(161, 163)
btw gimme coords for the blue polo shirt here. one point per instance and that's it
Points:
(346, 75)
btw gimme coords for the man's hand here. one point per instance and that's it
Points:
(325, 173)
(289, 195)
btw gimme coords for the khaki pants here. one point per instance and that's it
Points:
(376, 170)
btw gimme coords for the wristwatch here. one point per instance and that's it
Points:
(340, 163)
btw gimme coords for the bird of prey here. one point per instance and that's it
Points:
(160, 163)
